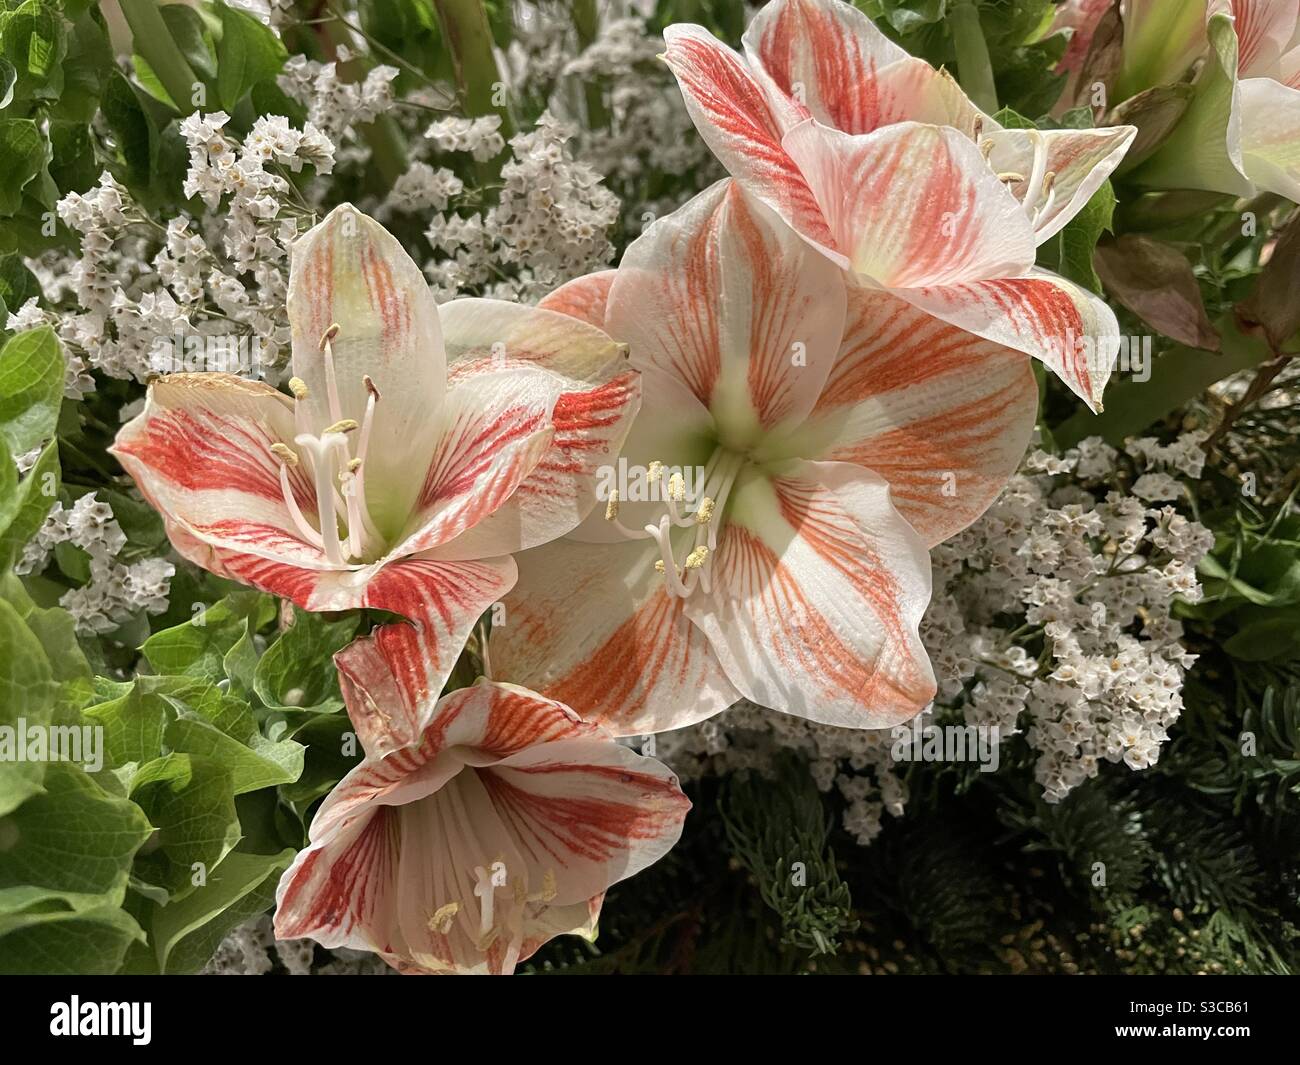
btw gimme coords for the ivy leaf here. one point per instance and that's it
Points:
(222, 728)
(248, 53)
(190, 801)
(27, 692)
(1080, 235)
(198, 648)
(31, 389)
(297, 672)
(24, 153)
(185, 933)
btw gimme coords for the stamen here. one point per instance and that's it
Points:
(486, 892)
(676, 488)
(611, 508)
(354, 465)
(343, 425)
(298, 387)
(323, 467)
(705, 514)
(1011, 175)
(285, 454)
(295, 512)
(697, 558)
(331, 382)
(443, 917)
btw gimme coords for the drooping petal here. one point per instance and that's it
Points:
(200, 452)
(392, 678)
(1079, 160)
(820, 587)
(822, 59)
(583, 298)
(1073, 332)
(351, 272)
(734, 116)
(594, 623)
(594, 395)
(1270, 136)
(724, 297)
(943, 415)
(913, 204)
(464, 852)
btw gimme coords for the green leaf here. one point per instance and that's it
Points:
(27, 693)
(31, 388)
(198, 648)
(56, 632)
(190, 801)
(297, 671)
(186, 932)
(33, 40)
(24, 152)
(1080, 235)
(66, 942)
(33, 498)
(7, 78)
(223, 729)
(248, 53)
(129, 124)
(74, 840)
(17, 285)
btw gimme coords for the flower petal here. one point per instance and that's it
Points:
(821, 59)
(583, 298)
(1270, 136)
(200, 452)
(942, 414)
(1080, 160)
(912, 204)
(391, 679)
(1073, 332)
(820, 586)
(726, 298)
(594, 624)
(351, 272)
(734, 116)
(594, 395)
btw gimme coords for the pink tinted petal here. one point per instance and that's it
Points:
(1079, 160)
(821, 585)
(732, 112)
(822, 58)
(593, 627)
(913, 204)
(583, 298)
(943, 415)
(724, 297)
(1266, 29)
(392, 678)
(1073, 332)
(200, 453)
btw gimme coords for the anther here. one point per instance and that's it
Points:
(611, 508)
(329, 335)
(354, 465)
(284, 453)
(370, 386)
(676, 488)
(442, 918)
(343, 425)
(1010, 175)
(705, 514)
(298, 387)
(696, 559)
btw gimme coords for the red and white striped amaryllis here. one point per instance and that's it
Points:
(881, 162)
(420, 447)
(500, 828)
(782, 402)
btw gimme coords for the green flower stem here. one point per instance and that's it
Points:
(587, 22)
(469, 39)
(974, 71)
(152, 40)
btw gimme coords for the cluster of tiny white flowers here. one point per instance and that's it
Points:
(248, 948)
(273, 13)
(548, 226)
(334, 105)
(114, 591)
(1062, 561)
(422, 188)
(479, 137)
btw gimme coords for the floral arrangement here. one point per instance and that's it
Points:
(436, 439)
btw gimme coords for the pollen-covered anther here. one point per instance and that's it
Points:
(298, 387)
(1048, 178)
(1011, 175)
(676, 487)
(611, 507)
(654, 471)
(343, 425)
(354, 465)
(442, 918)
(705, 514)
(697, 557)
(659, 566)
(285, 453)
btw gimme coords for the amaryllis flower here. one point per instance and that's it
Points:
(881, 161)
(500, 828)
(1241, 131)
(420, 447)
(753, 548)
